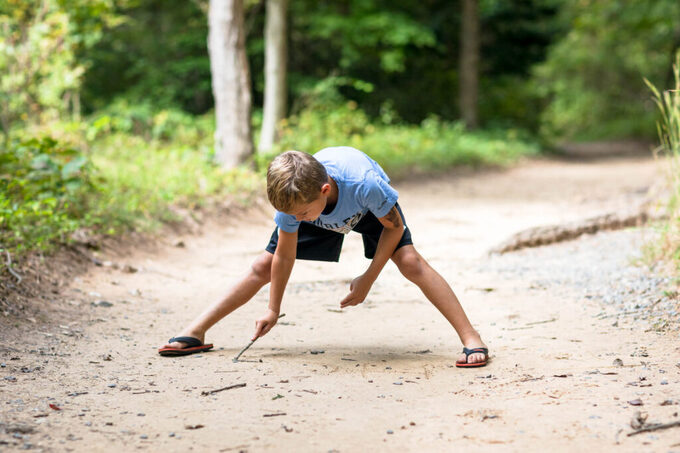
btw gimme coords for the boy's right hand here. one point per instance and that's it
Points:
(265, 324)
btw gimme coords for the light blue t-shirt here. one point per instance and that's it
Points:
(362, 186)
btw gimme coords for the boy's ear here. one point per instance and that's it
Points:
(326, 189)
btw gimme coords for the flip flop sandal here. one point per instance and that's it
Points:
(194, 345)
(467, 353)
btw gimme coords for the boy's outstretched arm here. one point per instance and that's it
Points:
(389, 238)
(282, 266)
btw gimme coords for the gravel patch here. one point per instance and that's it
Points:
(598, 268)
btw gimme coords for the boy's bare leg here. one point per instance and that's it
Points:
(437, 290)
(258, 276)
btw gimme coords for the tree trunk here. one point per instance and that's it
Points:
(469, 64)
(275, 61)
(230, 82)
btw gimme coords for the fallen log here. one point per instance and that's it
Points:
(552, 234)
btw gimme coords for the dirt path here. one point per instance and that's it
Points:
(569, 360)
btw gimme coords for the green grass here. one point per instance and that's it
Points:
(143, 179)
(668, 246)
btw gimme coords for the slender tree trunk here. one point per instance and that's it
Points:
(469, 64)
(230, 82)
(275, 62)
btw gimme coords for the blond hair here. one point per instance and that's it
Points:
(294, 178)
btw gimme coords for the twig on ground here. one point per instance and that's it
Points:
(541, 322)
(235, 359)
(654, 427)
(275, 415)
(9, 267)
(235, 386)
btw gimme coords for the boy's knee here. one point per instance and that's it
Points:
(410, 264)
(262, 267)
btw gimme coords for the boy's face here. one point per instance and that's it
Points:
(311, 211)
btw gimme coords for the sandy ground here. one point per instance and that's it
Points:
(567, 372)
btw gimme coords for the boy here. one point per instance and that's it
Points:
(318, 199)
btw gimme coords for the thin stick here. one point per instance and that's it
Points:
(235, 359)
(235, 386)
(541, 322)
(655, 427)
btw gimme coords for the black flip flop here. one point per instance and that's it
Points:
(194, 345)
(467, 353)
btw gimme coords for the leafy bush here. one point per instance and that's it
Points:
(44, 188)
(49, 190)
(593, 77)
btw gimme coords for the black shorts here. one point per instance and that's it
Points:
(318, 244)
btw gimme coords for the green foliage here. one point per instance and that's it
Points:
(43, 191)
(40, 73)
(150, 123)
(401, 149)
(37, 62)
(49, 190)
(592, 78)
(158, 54)
(366, 27)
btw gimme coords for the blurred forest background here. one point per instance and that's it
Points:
(107, 107)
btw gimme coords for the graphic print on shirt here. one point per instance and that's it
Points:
(345, 227)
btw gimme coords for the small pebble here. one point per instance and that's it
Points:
(664, 382)
(102, 303)
(389, 431)
(111, 385)
(141, 414)
(143, 436)
(171, 435)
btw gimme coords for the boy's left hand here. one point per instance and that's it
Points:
(358, 290)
